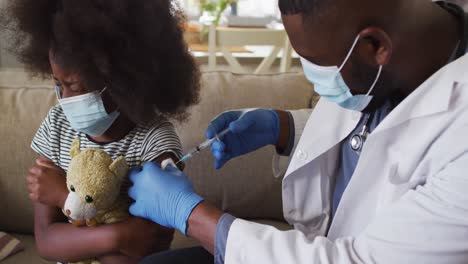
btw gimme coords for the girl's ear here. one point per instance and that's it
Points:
(119, 167)
(75, 148)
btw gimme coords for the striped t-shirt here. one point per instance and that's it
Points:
(142, 144)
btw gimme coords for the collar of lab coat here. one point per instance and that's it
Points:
(430, 98)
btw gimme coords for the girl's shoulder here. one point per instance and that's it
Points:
(157, 125)
(56, 115)
(156, 138)
(57, 124)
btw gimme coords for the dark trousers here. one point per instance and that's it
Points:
(195, 255)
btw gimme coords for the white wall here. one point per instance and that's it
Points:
(6, 60)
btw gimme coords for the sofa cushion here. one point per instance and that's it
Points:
(245, 187)
(9, 246)
(22, 109)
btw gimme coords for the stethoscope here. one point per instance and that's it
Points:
(357, 141)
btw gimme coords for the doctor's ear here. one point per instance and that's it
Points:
(376, 45)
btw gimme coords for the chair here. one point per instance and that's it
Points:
(224, 37)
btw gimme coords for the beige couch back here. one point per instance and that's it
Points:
(245, 187)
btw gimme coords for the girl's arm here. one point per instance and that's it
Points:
(59, 241)
(55, 238)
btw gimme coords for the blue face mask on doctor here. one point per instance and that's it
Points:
(329, 83)
(86, 113)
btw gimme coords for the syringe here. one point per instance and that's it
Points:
(202, 146)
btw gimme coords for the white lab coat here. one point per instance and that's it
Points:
(407, 201)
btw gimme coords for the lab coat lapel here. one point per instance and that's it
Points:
(432, 97)
(328, 125)
(336, 123)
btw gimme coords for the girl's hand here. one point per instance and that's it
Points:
(47, 183)
(139, 238)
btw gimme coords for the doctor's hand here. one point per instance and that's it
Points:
(165, 197)
(249, 131)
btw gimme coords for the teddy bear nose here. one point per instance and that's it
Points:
(67, 212)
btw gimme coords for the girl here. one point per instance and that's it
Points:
(121, 70)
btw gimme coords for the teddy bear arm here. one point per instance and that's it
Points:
(118, 214)
(92, 222)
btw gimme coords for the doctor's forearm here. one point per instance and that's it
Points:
(202, 225)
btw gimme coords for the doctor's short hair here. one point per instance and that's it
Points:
(136, 48)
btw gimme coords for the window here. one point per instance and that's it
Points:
(258, 8)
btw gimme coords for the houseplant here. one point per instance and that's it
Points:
(215, 8)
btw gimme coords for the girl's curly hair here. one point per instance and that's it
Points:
(135, 47)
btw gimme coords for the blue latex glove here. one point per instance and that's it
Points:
(249, 131)
(165, 197)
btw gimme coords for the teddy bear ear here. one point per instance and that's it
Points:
(119, 167)
(75, 148)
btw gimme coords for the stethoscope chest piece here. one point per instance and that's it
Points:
(357, 141)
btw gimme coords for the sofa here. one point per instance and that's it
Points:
(245, 187)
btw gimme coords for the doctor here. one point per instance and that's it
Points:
(378, 172)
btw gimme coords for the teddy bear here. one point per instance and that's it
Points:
(94, 182)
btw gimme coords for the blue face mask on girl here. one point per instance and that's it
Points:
(86, 113)
(329, 83)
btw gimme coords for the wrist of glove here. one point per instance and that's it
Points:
(274, 126)
(186, 203)
(166, 196)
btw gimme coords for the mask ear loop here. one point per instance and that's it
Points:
(103, 90)
(58, 93)
(100, 94)
(349, 53)
(376, 80)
